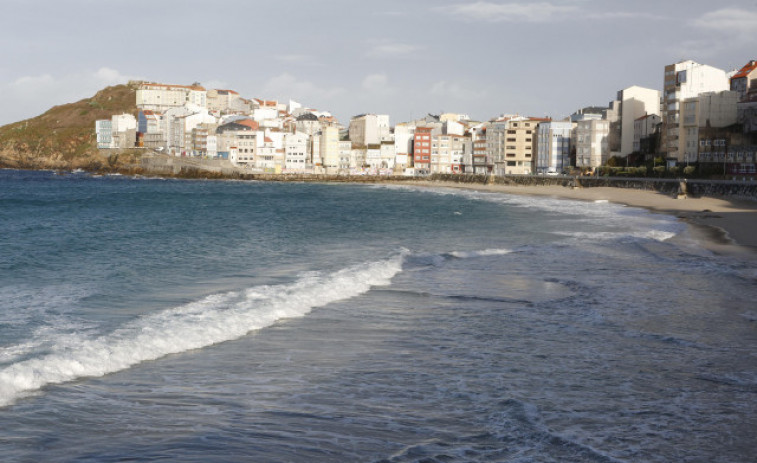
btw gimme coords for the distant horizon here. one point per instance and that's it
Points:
(483, 58)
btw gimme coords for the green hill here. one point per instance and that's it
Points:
(64, 136)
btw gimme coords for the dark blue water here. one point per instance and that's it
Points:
(166, 320)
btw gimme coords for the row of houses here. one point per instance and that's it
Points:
(704, 115)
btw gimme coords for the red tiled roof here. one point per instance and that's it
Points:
(248, 123)
(268, 140)
(743, 72)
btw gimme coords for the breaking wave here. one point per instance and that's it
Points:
(211, 320)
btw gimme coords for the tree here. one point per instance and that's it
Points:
(616, 161)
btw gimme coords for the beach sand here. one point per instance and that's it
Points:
(722, 226)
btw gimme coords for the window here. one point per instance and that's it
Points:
(511, 163)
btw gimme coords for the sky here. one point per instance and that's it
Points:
(405, 58)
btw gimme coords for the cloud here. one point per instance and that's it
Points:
(298, 59)
(393, 50)
(540, 12)
(729, 21)
(718, 33)
(29, 96)
(508, 12)
(288, 86)
(454, 91)
(217, 84)
(377, 84)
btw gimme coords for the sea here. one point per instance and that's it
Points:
(147, 319)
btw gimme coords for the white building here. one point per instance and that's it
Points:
(635, 102)
(553, 146)
(120, 131)
(684, 80)
(403, 144)
(179, 124)
(346, 161)
(296, 152)
(104, 133)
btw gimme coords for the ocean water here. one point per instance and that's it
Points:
(215, 321)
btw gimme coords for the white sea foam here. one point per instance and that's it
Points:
(657, 235)
(485, 252)
(636, 221)
(214, 319)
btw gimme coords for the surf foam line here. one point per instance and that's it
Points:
(214, 319)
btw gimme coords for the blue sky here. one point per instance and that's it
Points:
(404, 58)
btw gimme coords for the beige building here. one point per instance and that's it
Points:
(510, 143)
(369, 129)
(635, 102)
(709, 109)
(162, 97)
(447, 153)
(329, 148)
(227, 102)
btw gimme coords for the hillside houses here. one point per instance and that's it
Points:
(703, 116)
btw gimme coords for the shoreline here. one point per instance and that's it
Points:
(722, 226)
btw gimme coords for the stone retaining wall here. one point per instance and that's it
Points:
(161, 164)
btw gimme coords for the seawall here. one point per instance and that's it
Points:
(183, 167)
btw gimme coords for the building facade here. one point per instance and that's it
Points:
(592, 147)
(684, 80)
(635, 102)
(553, 147)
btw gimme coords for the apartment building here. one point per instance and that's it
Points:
(635, 102)
(553, 146)
(403, 144)
(684, 80)
(481, 162)
(296, 152)
(447, 153)
(162, 97)
(646, 133)
(510, 143)
(369, 129)
(592, 145)
(329, 149)
(422, 150)
(709, 109)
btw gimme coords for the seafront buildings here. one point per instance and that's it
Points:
(704, 116)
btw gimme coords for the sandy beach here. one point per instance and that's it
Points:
(722, 226)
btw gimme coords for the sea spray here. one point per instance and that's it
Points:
(214, 319)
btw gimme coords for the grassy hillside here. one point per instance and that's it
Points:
(64, 136)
